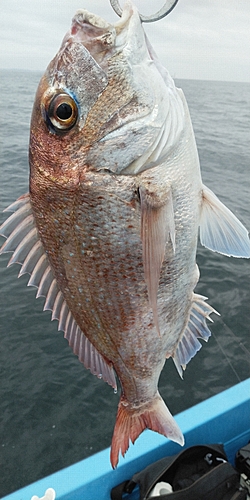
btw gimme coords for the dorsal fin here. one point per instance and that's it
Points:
(157, 225)
(196, 328)
(22, 238)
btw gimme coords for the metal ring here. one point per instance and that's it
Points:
(164, 11)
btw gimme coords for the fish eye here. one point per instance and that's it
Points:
(62, 112)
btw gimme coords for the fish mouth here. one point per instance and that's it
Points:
(97, 35)
(102, 39)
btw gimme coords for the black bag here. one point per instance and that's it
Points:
(242, 460)
(197, 473)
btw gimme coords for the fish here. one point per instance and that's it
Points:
(108, 231)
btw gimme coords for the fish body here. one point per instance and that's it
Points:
(109, 229)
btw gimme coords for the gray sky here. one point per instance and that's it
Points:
(204, 39)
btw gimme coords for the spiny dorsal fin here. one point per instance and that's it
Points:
(196, 328)
(220, 230)
(157, 225)
(22, 238)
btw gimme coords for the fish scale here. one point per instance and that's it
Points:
(93, 252)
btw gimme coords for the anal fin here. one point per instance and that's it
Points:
(188, 344)
(157, 226)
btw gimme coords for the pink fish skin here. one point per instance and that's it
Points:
(109, 229)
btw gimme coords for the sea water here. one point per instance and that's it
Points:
(53, 412)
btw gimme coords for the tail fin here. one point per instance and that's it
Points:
(132, 421)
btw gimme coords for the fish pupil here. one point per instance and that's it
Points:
(64, 111)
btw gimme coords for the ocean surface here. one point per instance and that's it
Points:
(53, 412)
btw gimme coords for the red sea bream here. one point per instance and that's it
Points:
(108, 231)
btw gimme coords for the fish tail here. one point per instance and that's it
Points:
(131, 421)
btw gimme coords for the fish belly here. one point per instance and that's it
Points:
(92, 236)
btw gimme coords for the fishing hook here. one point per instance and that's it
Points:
(164, 11)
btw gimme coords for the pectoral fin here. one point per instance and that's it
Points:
(157, 225)
(220, 230)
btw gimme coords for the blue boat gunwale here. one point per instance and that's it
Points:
(223, 418)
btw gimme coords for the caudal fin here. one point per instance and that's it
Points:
(132, 421)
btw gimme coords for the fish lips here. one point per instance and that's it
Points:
(103, 40)
(95, 34)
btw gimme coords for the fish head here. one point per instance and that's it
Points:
(102, 103)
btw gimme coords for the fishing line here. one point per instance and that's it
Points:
(244, 349)
(241, 345)
(236, 339)
(227, 358)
